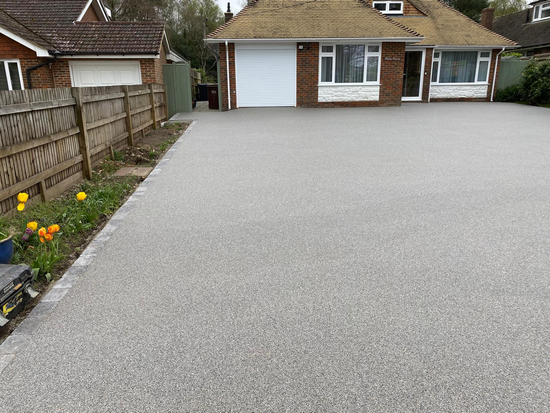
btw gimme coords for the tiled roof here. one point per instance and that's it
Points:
(310, 19)
(14, 26)
(51, 24)
(516, 26)
(109, 38)
(445, 26)
(275, 19)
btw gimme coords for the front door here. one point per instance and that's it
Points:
(412, 78)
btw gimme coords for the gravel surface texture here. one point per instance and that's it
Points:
(316, 260)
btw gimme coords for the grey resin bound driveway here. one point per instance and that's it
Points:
(306, 260)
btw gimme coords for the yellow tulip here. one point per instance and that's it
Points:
(32, 225)
(22, 197)
(81, 196)
(21, 207)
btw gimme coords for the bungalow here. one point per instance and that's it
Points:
(61, 43)
(334, 53)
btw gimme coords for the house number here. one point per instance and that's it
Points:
(392, 58)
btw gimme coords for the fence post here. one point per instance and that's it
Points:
(83, 135)
(166, 118)
(153, 109)
(128, 110)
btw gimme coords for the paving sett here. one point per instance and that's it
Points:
(316, 260)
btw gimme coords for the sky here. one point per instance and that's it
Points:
(235, 5)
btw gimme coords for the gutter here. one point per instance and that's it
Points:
(320, 39)
(495, 73)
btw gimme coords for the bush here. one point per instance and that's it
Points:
(535, 84)
(509, 94)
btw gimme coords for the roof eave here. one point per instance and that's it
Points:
(318, 39)
(40, 52)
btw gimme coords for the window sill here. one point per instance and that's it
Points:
(347, 84)
(461, 84)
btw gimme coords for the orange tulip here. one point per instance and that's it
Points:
(48, 237)
(41, 239)
(42, 232)
(56, 228)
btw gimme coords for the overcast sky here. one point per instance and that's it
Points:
(235, 5)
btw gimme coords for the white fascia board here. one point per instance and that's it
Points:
(322, 40)
(110, 56)
(476, 47)
(40, 52)
(99, 7)
(174, 58)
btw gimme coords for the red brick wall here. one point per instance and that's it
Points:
(223, 76)
(307, 79)
(391, 74)
(410, 10)
(62, 73)
(90, 15)
(307, 62)
(42, 77)
(151, 69)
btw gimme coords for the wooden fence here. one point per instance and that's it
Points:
(52, 138)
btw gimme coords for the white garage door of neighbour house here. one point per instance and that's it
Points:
(265, 74)
(105, 73)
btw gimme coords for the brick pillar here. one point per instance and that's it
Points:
(223, 76)
(391, 74)
(307, 66)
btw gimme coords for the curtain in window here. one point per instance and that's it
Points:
(458, 67)
(3, 77)
(14, 76)
(350, 62)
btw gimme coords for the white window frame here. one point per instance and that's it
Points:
(387, 3)
(7, 71)
(538, 9)
(479, 60)
(333, 55)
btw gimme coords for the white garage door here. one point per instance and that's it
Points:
(266, 75)
(105, 73)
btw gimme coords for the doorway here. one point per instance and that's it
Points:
(413, 75)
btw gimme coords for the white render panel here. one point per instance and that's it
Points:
(458, 91)
(354, 93)
(265, 74)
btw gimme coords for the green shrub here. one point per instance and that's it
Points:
(535, 84)
(509, 94)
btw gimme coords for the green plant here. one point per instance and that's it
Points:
(118, 156)
(44, 261)
(509, 94)
(512, 54)
(535, 84)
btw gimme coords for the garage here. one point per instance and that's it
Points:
(104, 73)
(265, 75)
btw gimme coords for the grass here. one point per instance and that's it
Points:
(77, 220)
(544, 105)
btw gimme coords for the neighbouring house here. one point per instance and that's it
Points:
(64, 43)
(530, 28)
(329, 53)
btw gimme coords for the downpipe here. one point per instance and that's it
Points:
(495, 73)
(38, 66)
(228, 81)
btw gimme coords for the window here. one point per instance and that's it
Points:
(461, 67)
(10, 75)
(541, 12)
(349, 63)
(388, 7)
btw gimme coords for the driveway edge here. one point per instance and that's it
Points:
(21, 335)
